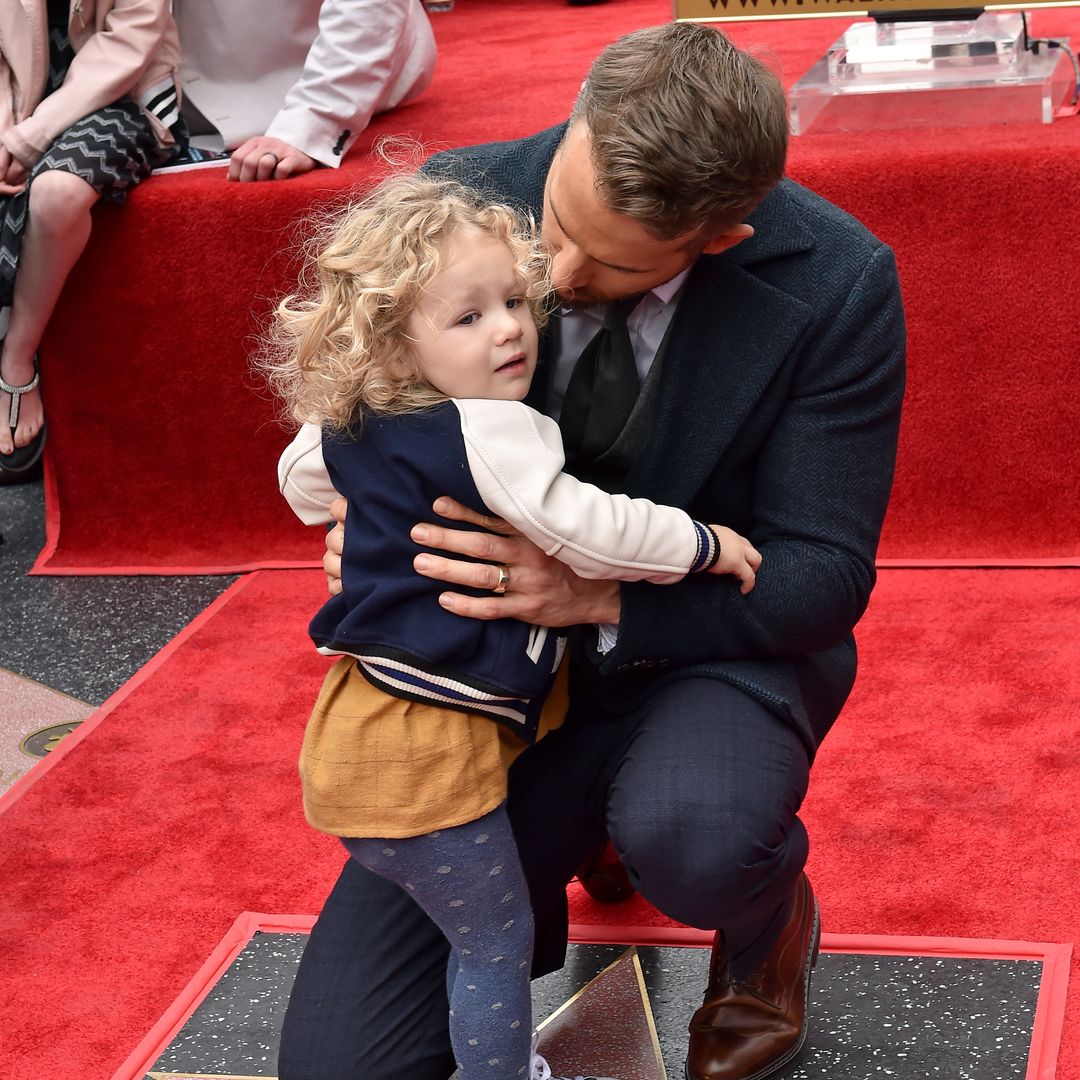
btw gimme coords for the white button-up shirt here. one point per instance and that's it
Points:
(647, 324)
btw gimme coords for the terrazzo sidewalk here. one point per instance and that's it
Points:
(67, 643)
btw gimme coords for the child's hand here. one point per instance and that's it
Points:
(737, 556)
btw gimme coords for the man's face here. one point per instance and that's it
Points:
(600, 255)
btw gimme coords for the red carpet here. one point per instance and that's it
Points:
(1045, 1037)
(162, 447)
(943, 805)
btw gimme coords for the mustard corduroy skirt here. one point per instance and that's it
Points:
(376, 765)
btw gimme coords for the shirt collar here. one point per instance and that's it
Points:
(664, 292)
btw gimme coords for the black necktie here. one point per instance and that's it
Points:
(603, 388)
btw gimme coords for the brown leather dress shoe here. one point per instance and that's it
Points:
(603, 876)
(749, 1029)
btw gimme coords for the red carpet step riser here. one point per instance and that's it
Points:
(163, 444)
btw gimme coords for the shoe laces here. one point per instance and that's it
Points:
(751, 987)
(540, 1070)
(538, 1066)
(721, 977)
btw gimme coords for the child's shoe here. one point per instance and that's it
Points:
(540, 1070)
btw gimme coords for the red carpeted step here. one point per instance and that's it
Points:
(162, 446)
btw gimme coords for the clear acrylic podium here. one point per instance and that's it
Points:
(882, 75)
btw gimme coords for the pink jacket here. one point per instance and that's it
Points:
(122, 47)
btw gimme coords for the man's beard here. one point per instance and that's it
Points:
(583, 298)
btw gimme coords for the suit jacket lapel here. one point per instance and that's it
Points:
(730, 335)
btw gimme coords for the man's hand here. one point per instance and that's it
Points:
(264, 158)
(537, 588)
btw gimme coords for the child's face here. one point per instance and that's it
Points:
(473, 332)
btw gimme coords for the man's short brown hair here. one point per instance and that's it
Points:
(687, 132)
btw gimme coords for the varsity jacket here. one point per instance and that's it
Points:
(122, 48)
(501, 457)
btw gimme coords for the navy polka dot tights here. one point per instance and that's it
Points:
(469, 881)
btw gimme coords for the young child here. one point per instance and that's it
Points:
(413, 350)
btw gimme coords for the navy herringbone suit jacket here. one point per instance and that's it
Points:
(776, 414)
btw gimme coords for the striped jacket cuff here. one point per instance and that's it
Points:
(708, 549)
(162, 101)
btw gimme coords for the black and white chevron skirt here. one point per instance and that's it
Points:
(112, 149)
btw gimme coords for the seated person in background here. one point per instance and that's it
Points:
(414, 350)
(88, 106)
(291, 84)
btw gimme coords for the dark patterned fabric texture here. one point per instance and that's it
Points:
(112, 149)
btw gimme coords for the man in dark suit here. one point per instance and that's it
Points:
(765, 343)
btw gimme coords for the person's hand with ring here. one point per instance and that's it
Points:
(545, 591)
(266, 158)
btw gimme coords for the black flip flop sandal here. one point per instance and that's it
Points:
(22, 459)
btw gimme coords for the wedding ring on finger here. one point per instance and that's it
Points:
(504, 580)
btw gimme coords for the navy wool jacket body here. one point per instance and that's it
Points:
(777, 414)
(388, 616)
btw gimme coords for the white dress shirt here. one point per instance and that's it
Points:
(647, 324)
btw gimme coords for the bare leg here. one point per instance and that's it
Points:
(55, 237)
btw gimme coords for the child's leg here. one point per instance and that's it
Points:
(469, 880)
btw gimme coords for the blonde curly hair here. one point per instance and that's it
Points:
(340, 344)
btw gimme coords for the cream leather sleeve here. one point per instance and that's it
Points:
(516, 458)
(303, 479)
